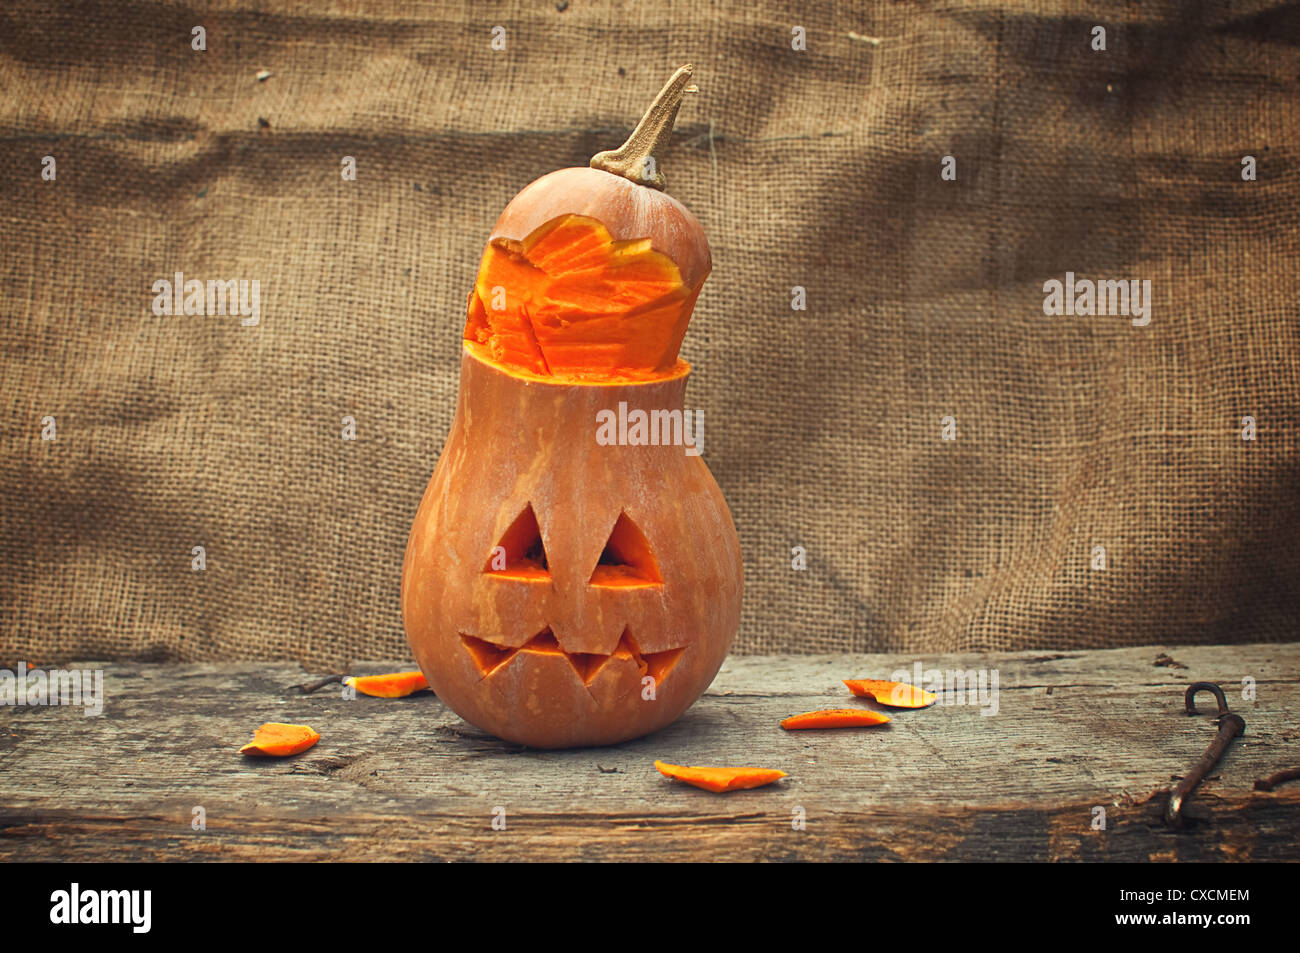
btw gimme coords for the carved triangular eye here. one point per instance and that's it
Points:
(520, 554)
(626, 561)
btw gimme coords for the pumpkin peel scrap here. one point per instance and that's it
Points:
(893, 694)
(835, 718)
(394, 685)
(276, 739)
(720, 780)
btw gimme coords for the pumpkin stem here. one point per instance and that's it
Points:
(635, 159)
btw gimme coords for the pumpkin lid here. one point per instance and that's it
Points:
(592, 273)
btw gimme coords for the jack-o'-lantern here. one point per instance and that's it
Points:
(573, 576)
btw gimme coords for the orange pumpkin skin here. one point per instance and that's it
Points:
(520, 440)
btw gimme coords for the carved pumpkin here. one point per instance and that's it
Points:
(559, 589)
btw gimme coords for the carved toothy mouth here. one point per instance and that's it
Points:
(491, 658)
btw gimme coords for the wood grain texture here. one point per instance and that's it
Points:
(407, 779)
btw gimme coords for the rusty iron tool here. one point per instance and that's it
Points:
(1276, 778)
(1230, 726)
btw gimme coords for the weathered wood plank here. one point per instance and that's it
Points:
(406, 778)
(1239, 829)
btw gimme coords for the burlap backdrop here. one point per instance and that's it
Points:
(817, 169)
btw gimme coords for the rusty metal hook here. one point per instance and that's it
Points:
(1230, 726)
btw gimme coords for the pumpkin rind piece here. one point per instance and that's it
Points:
(276, 739)
(893, 694)
(395, 685)
(836, 718)
(720, 780)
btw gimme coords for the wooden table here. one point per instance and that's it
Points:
(407, 779)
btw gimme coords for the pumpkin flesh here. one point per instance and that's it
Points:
(571, 303)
